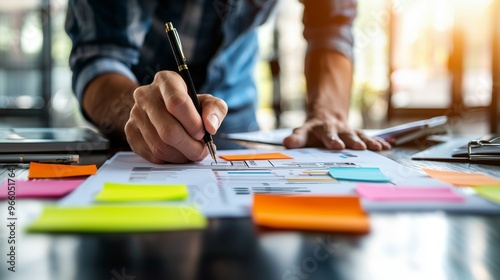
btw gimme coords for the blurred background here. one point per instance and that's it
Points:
(414, 59)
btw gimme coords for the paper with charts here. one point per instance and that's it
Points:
(225, 189)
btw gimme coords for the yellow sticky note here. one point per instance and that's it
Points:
(489, 192)
(266, 156)
(462, 178)
(121, 192)
(119, 218)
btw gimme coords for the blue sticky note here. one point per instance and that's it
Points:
(363, 174)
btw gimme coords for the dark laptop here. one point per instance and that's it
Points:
(43, 140)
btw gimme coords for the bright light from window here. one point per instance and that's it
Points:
(31, 35)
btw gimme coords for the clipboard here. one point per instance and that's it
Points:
(485, 149)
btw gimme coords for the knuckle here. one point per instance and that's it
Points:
(176, 101)
(168, 79)
(139, 94)
(161, 76)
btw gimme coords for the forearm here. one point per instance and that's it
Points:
(107, 102)
(329, 81)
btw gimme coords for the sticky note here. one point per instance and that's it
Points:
(119, 218)
(489, 192)
(364, 174)
(39, 188)
(304, 212)
(49, 171)
(120, 192)
(462, 178)
(388, 192)
(266, 156)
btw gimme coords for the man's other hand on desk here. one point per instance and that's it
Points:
(164, 125)
(329, 79)
(333, 134)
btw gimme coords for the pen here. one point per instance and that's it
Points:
(48, 158)
(175, 44)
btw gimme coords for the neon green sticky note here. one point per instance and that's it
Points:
(489, 192)
(118, 218)
(121, 192)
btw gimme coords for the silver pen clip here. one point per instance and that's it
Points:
(179, 44)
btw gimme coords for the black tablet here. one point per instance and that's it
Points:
(40, 140)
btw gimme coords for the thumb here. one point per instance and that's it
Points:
(214, 111)
(297, 139)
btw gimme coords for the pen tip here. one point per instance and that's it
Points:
(212, 149)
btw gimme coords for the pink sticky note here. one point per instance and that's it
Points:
(39, 188)
(388, 192)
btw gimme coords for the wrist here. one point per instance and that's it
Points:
(107, 101)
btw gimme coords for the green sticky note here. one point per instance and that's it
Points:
(489, 192)
(363, 174)
(121, 192)
(118, 218)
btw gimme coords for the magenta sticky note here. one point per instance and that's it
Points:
(388, 192)
(38, 188)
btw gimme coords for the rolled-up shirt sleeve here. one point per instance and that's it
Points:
(328, 25)
(107, 37)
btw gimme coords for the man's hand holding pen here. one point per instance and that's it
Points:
(169, 121)
(164, 125)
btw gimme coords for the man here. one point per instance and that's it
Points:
(125, 74)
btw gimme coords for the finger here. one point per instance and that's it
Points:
(329, 137)
(385, 145)
(161, 130)
(137, 142)
(352, 141)
(177, 101)
(157, 147)
(370, 142)
(297, 139)
(214, 111)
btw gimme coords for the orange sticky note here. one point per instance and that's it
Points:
(462, 178)
(326, 213)
(255, 156)
(49, 171)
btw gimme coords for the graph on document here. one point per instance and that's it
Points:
(265, 164)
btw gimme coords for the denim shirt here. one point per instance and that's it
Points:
(218, 36)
